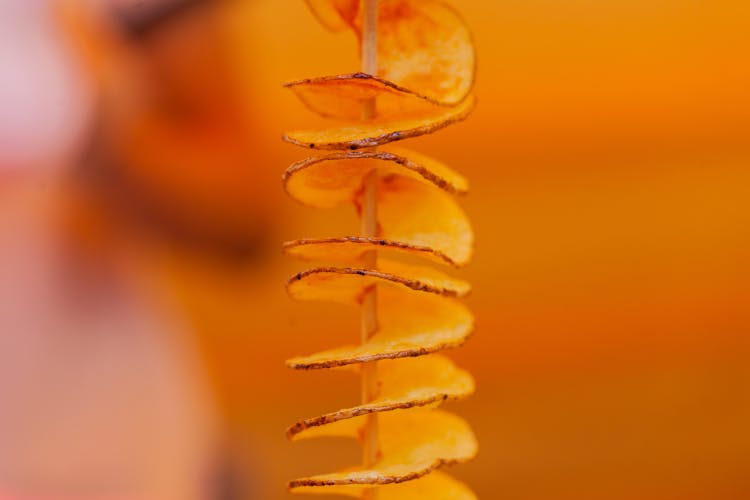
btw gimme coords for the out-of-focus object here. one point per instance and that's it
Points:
(44, 97)
(174, 137)
(102, 390)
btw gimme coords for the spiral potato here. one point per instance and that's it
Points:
(423, 82)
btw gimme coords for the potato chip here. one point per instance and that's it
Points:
(422, 216)
(337, 178)
(342, 97)
(408, 325)
(422, 45)
(413, 217)
(335, 15)
(412, 443)
(346, 285)
(404, 383)
(434, 486)
(378, 132)
(425, 45)
(353, 249)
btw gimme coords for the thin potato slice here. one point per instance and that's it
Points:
(413, 217)
(417, 214)
(347, 285)
(404, 383)
(425, 45)
(337, 178)
(412, 444)
(434, 486)
(342, 97)
(335, 15)
(408, 325)
(437, 172)
(379, 132)
(352, 249)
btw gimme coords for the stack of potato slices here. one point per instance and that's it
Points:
(423, 82)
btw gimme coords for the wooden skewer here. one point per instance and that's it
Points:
(369, 222)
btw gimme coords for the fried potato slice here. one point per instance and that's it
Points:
(337, 178)
(415, 213)
(404, 383)
(347, 285)
(413, 217)
(335, 15)
(412, 444)
(434, 486)
(342, 97)
(408, 325)
(352, 249)
(380, 131)
(425, 46)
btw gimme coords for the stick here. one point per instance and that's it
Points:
(369, 229)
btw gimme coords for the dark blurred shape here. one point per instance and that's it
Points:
(139, 17)
(103, 387)
(173, 146)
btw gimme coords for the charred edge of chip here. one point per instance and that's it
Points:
(403, 353)
(385, 156)
(298, 483)
(348, 413)
(414, 284)
(379, 140)
(386, 84)
(409, 353)
(363, 240)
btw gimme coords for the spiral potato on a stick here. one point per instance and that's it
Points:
(416, 78)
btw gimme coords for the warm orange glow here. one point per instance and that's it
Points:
(608, 159)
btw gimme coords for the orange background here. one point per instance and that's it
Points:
(610, 196)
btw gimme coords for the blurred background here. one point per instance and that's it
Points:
(143, 318)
